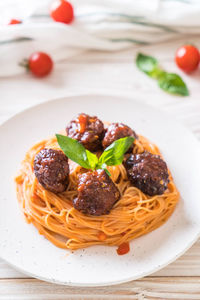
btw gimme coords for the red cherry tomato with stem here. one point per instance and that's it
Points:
(62, 11)
(187, 58)
(14, 22)
(40, 64)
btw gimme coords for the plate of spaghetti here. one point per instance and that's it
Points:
(97, 190)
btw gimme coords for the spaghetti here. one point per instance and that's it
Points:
(54, 216)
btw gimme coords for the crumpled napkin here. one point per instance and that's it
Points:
(104, 25)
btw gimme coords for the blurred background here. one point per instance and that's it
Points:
(107, 25)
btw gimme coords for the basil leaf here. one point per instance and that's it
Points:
(147, 64)
(74, 150)
(93, 159)
(113, 155)
(173, 83)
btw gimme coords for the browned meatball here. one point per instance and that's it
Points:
(148, 172)
(52, 170)
(88, 130)
(117, 131)
(96, 193)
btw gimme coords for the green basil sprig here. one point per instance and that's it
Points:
(169, 82)
(113, 155)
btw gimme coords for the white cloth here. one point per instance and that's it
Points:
(107, 25)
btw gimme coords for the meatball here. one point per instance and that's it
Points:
(148, 172)
(117, 131)
(96, 193)
(88, 130)
(52, 170)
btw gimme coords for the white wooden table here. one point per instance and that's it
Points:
(113, 74)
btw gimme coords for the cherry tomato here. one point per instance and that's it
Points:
(187, 58)
(14, 21)
(62, 11)
(123, 249)
(40, 64)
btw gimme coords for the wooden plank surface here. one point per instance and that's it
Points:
(147, 288)
(110, 74)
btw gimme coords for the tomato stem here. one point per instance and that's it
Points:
(25, 64)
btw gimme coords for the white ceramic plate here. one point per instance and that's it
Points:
(25, 249)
